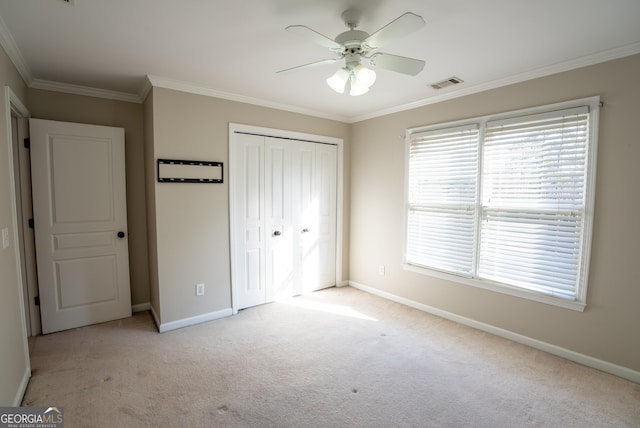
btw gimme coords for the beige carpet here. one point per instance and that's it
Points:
(336, 358)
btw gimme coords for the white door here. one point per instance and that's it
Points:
(284, 216)
(248, 177)
(324, 233)
(306, 209)
(280, 267)
(80, 215)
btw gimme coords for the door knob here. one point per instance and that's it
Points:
(277, 233)
(121, 234)
(305, 230)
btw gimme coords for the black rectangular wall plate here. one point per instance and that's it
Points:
(189, 171)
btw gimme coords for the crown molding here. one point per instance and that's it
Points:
(146, 88)
(596, 58)
(11, 48)
(178, 85)
(68, 88)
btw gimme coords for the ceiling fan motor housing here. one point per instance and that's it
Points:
(352, 38)
(353, 49)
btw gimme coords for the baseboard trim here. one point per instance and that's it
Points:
(22, 388)
(568, 354)
(140, 307)
(186, 322)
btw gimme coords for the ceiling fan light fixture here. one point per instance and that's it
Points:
(353, 45)
(364, 76)
(357, 88)
(338, 81)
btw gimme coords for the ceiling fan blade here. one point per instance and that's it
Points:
(310, 65)
(405, 24)
(397, 63)
(315, 37)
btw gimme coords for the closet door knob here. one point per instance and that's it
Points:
(121, 234)
(305, 230)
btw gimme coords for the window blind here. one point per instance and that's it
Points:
(506, 201)
(533, 201)
(441, 217)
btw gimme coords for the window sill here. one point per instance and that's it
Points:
(499, 288)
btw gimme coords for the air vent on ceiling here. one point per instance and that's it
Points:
(448, 82)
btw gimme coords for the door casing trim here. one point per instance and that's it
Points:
(14, 105)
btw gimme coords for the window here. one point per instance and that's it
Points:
(505, 202)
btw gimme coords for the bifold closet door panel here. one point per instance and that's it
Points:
(326, 195)
(248, 233)
(280, 263)
(305, 209)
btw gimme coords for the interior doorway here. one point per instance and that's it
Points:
(20, 158)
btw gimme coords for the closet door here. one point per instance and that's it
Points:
(325, 238)
(284, 233)
(314, 168)
(280, 263)
(305, 211)
(248, 231)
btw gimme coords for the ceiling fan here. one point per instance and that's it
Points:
(354, 45)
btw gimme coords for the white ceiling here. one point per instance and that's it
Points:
(233, 49)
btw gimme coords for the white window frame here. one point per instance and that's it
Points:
(579, 304)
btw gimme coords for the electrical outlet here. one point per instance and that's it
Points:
(199, 289)
(381, 270)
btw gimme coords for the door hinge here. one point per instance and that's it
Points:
(36, 300)
(31, 223)
(27, 143)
